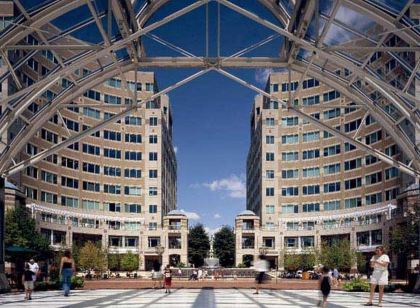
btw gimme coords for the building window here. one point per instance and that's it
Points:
(269, 139)
(269, 209)
(153, 121)
(153, 208)
(289, 121)
(331, 169)
(331, 187)
(352, 164)
(310, 207)
(132, 208)
(269, 191)
(348, 147)
(311, 190)
(332, 113)
(70, 202)
(90, 205)
(311, 172)
(332, 150)
(153, 156)
(48, 197)
(269, 121)
(370, 159)
(91, 149)
(32, 172)
(310, 154)
(290, 139)
(307, 242)
(91, 113)
(352, 126)
(391, 173)
(290, 174)
(289, 209)
(111, 135)
(69, 182)
(91, 168)
(290, 156)
(130, 120)
(153, 241)
(332, 205)
(130, 155)
(153, 139)
(329, 96)
(392, 194)
(132, 173)
(133, 138)
(112, 153)
(289, 191)
(153, 191)
(353, 183)
(373, 198)
(112, 207)
(92, 94)
(91, 186)
(153, 174)
(269, 174)
(132, 190)
(112, 189)
(49, 136)
(269, 156)
(374, 137)
(112, 171)
(374, 178)
(48, 177)
(352, 202)
(311, 136)
(291, 242)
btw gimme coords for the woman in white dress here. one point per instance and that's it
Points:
(379, 263)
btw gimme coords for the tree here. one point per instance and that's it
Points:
(91, 256)
(114, 262)
(198, 245)
(20, 230)
(129, 262)
(291, 261)
(338, 255)
(224, 246)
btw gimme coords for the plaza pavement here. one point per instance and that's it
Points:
(200, 298)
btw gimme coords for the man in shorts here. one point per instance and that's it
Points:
(28, 282)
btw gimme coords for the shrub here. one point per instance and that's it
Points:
(77, 282)
(356, 285)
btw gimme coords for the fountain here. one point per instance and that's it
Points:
(211, 262)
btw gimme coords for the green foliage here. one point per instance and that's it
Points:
(405, 237)
(339, 255)
(241, 265)
(304, 261)
(92, 256)
(77, 282)
(114, 261)
(198, 245)
(20, 230)
(180, 265)
(247, 260)
(224, 246)
(356, 285)
(129, 262)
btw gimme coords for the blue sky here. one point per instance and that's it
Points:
(211, 113)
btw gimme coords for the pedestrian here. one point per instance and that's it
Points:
(28, 282)
(336, 276)
(200, 274)
(260, 267)
(34, 267)
(324, 284)
(67, 267)
(179, 273)
(379, 277)
(167, 273)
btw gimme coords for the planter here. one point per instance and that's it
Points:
(305, 275)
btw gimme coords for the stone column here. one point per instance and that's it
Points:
(4, 284)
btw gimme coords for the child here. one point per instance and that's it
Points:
(325, 286)
(28, 282)
(167, 273)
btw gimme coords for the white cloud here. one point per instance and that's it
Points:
(234, 185)
(212, 231)
(191, 215)
(217, 216)
(261, 75)
(176, 150)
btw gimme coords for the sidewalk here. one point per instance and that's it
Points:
(282, 284)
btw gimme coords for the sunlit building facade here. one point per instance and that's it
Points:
(306, 187)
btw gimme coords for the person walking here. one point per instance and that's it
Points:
(67, 267)
(167, 273)
(28, 282)
(324, 284)
(379, 262)
(34, 267)
(260, 267)
(336, 276)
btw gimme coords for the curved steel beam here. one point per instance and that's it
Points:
(338, 60)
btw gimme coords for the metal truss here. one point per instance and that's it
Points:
(133, 26)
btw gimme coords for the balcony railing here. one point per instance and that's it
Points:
(248, 246)
(247, 228)
(174, 227)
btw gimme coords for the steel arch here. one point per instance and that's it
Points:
(60, 7)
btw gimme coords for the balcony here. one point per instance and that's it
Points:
(174, 227)
(247, 227)
(249, 246)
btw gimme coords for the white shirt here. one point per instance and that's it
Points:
(261, 266)
(34, 268)
(383, 258)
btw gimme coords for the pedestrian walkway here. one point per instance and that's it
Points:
(220, 298)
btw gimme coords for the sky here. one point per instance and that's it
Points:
(212, 113)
